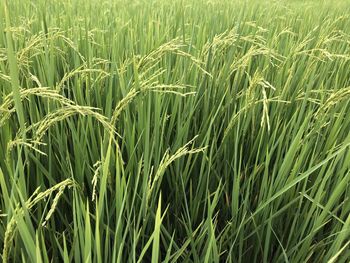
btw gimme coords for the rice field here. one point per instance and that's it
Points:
(175, 131)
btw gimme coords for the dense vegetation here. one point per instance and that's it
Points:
(174, 131)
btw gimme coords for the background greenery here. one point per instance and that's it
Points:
(174, 131)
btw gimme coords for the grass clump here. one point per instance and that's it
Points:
(174, 131)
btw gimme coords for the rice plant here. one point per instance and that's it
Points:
(175, 131)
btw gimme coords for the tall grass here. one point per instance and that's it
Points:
(174, 131)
